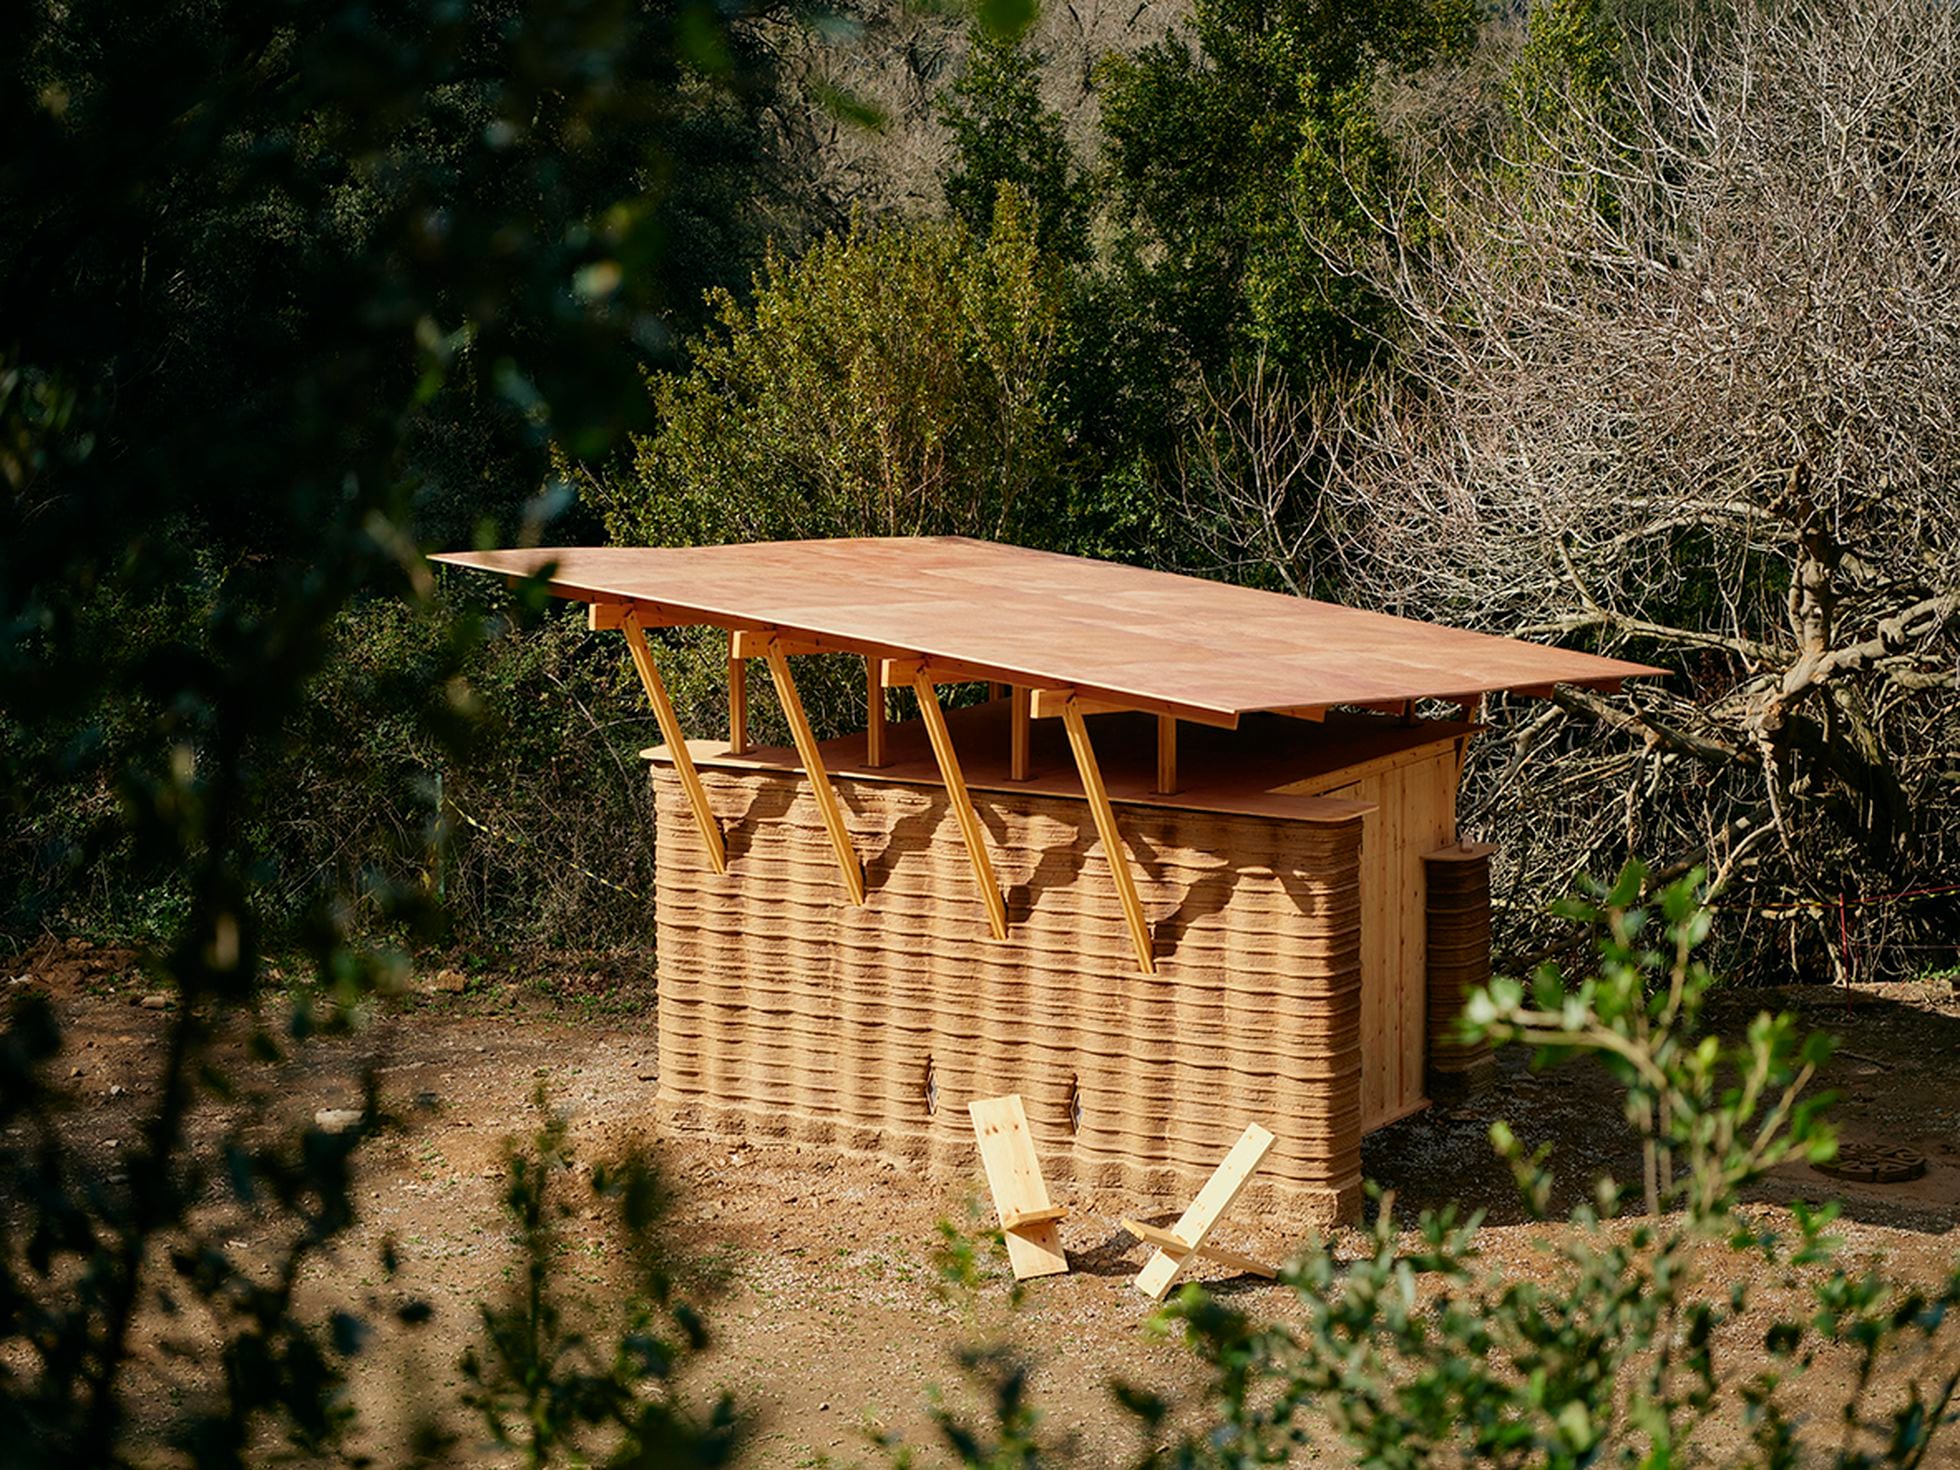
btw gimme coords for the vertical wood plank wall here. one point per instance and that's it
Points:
(786, 1012)
(1415, 813)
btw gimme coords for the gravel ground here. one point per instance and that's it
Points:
(817, 1275)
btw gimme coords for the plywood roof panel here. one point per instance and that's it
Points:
(1050, 620)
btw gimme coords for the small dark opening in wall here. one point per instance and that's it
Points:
(930, 1089)
(1075, 1105)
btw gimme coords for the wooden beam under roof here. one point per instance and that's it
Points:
(812, 759)
(1546, 691)
(602, 617)
(1112, 840)
(748, 640)
(1051, 704)
(898, 673)
(670, 731)
(607, 614)
(957, 796)
(875, 712)
(754, 643)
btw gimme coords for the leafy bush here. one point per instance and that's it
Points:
(1227, 161)
(894, 381)
(557, 1388)
(533, 829)
(499, 779)
(1421, 1353)
(1003, 135)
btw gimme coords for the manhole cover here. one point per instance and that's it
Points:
(1875, 1163)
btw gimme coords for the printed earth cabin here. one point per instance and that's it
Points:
(1194, 862)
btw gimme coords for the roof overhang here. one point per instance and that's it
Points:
(1118, 635)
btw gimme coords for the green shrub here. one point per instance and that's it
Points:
(536, 828)
(560, 1379)
(891, 381)
(1229, 159)
(501, 779)
(1430, 1356)
(1004, 136)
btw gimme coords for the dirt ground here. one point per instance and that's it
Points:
(817, 1275)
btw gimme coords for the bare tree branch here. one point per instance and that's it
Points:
(1681, 377)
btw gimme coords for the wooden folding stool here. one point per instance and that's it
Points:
(1177, 1246)
(1027, 1219)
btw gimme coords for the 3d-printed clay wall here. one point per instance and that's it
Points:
(787, 1012)
(1459, 961)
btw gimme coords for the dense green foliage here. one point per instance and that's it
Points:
(1003, 134)
(283, 288)
(895, 382)
(1232, 152)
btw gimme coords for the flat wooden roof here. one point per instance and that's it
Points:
(1035, 618)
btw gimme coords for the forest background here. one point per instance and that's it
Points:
(1620, 323)
(1631, 324)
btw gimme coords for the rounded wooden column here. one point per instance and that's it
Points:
(1458, 917)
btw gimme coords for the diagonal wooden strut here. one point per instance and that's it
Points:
(670, 731)
(1112, 840)
(962, 801)
(806, 750)
(1176, 1247)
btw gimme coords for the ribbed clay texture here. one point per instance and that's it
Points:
(787, 1012)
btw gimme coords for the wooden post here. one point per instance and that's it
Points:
(874, 725)
(670, 731)
(962, 802)
(738, 701)
(1017, 739)
(1167, 755)
(1112, 840)
(812, 758)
